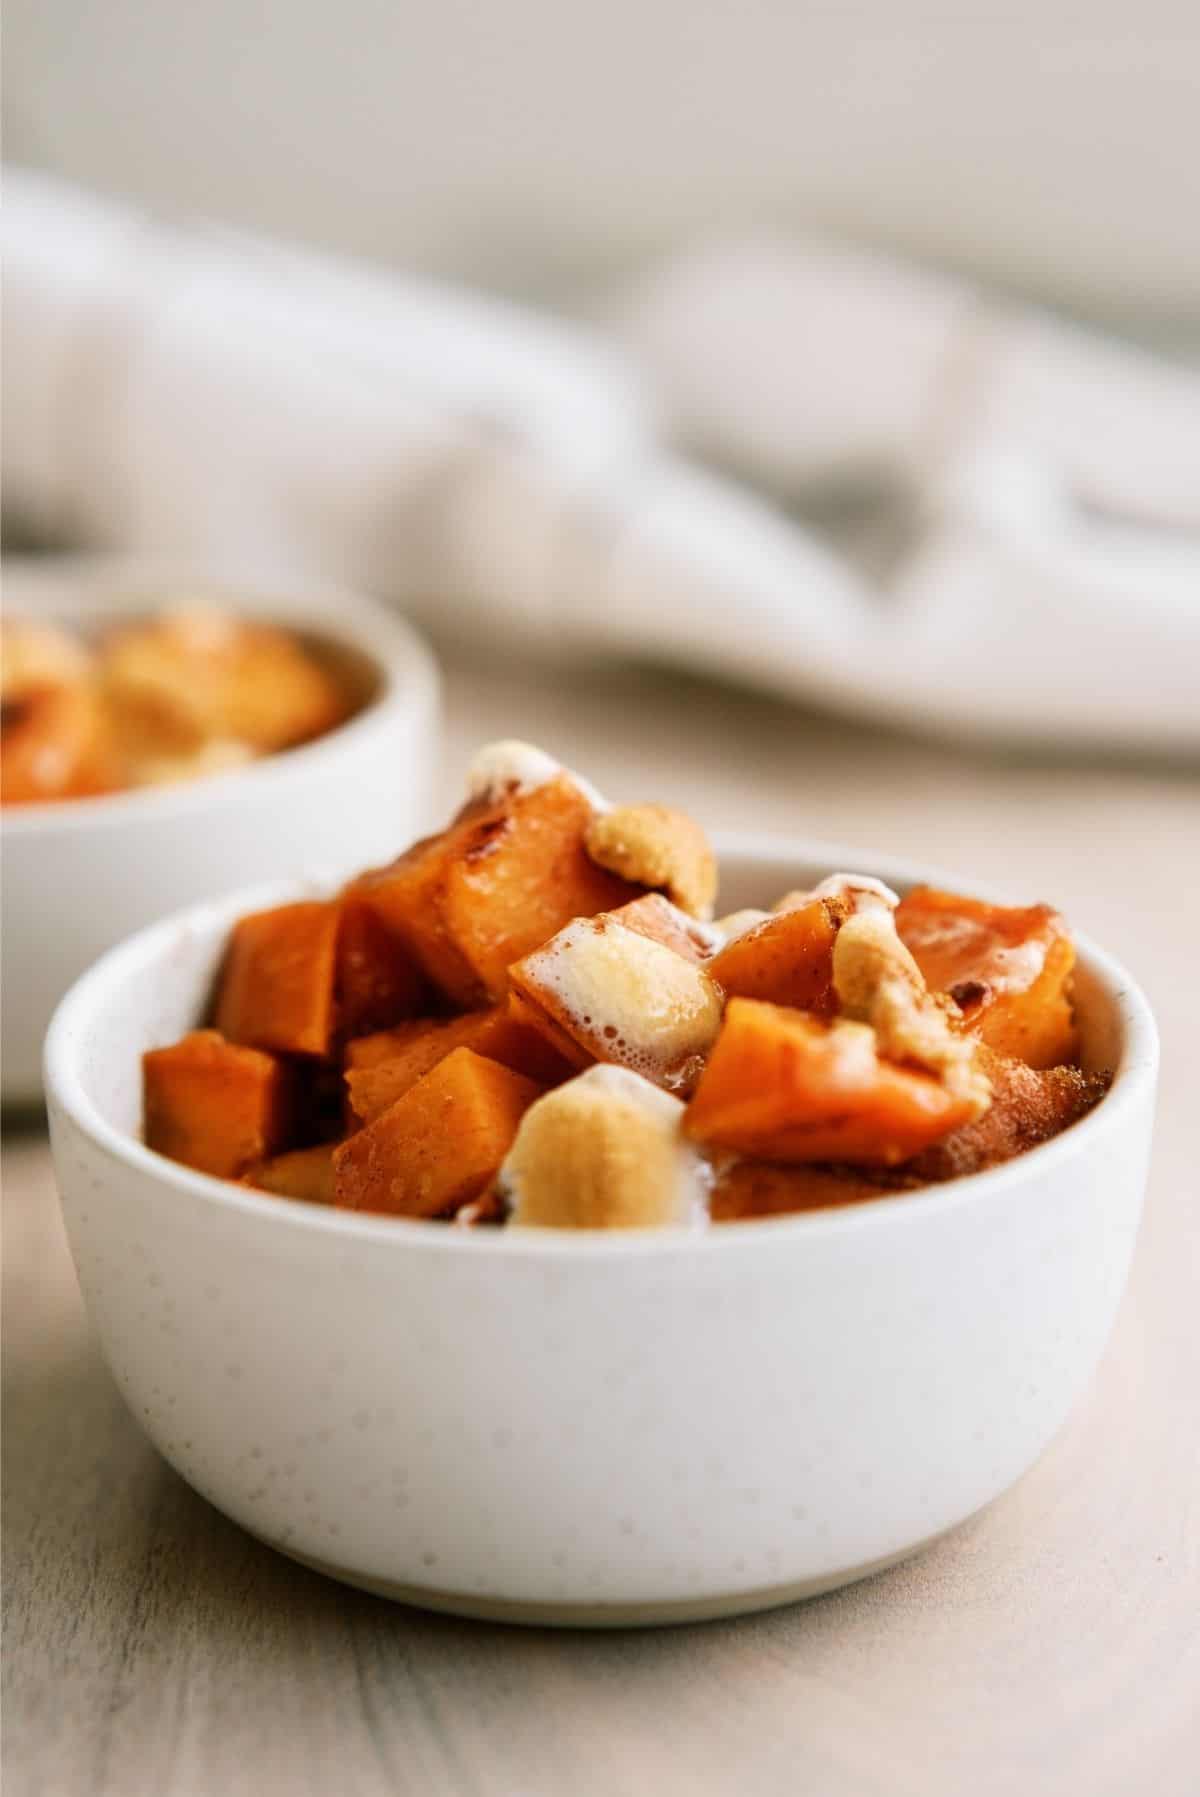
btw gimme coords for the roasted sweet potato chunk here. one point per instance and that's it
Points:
(787, 960)
(747, 1189)
(377, 981)
(195, 673)
(506, 875)
(437, 1147)
(785, 1086)
(656, 917)
(214, 1105)
(305, 1173)
(1029, 1105)
(1008, 968)
(276, 988)
(382, 1068)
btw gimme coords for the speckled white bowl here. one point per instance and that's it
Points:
(80, 875)
(605, 1429)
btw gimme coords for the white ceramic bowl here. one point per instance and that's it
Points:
(81, 875)
(591, 1429)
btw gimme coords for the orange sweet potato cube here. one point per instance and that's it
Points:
(1007, 967)
(531, 1013)
(214, 1105)
(387, 1045)
(504, 1035)
(195, 673)
(377, 982)
(654, 916)
(440, 1145)
(1029, 1105)
(787, 959)
(276, 989)
(304, 1173)
(502, 879)
(785, 1086)
(381, 1068)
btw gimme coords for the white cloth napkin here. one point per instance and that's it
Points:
(193, 393)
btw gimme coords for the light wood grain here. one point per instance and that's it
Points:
(1051, 1647)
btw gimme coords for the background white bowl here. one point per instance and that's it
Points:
(81, 875)
(605, 1429)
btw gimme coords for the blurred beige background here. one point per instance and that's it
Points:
(532, 145)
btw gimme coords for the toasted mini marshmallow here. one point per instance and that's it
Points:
(623, 997)
(510, 765)
(736, 923)
(878, 982)
(605, 1151)
(658, 847)
(863, 889)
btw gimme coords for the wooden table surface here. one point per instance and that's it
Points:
(1050, 1646)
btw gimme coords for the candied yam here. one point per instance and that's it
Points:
(602, 1152)
(276, 694)
(748, 1189)
(656, 917)
(782, 1085)
(386, 1045)
(54, 745)
(558, 1041)
(787, 959)
(276, 988)
(407, 897)
(505, 1035)
(655, 846)
(214, 1105)
(437, 1147)
(501, 880)
(623, 997)
(160, 679)
(195, 673)
(381, 1068)
(519, 886)
(1029, 1105)
(304, 1173)
(1008, 968)
(377, 981)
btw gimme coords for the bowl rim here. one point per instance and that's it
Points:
(1133, 1081)
(75, 589)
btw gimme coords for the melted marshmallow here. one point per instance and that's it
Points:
(510, 765)
(837, 885)
(736, 923)
(627, 998)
